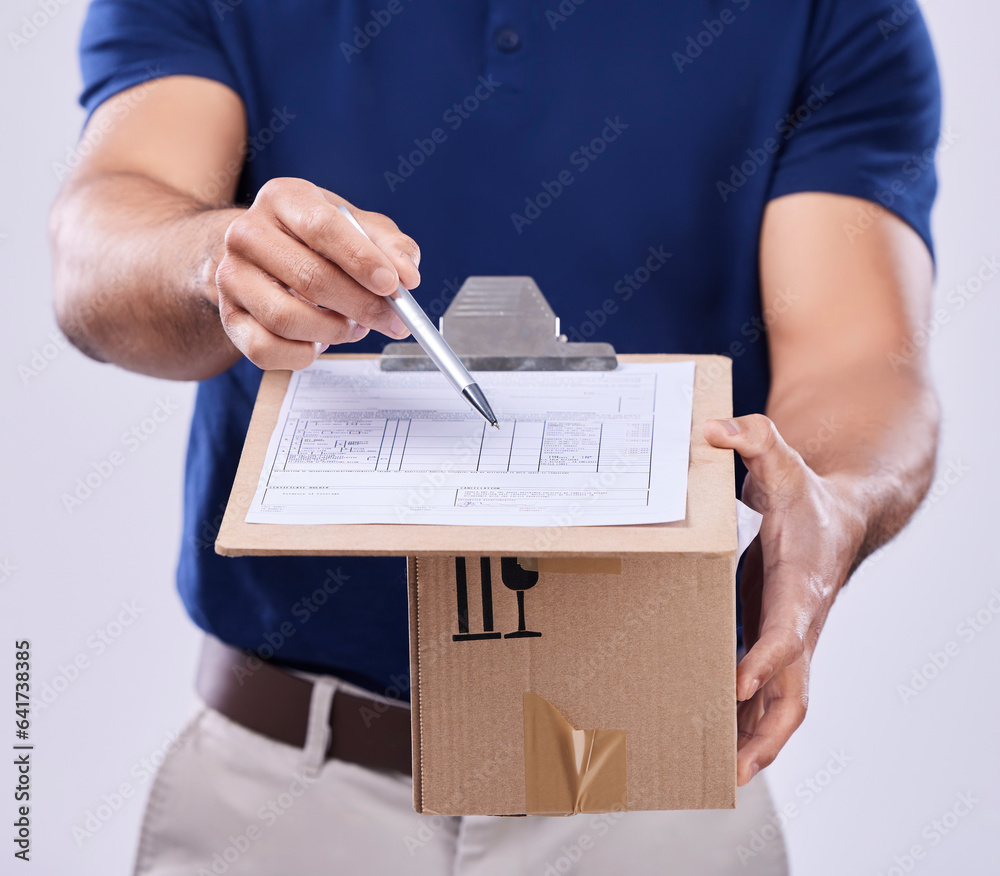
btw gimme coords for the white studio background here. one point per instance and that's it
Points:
(870, 782)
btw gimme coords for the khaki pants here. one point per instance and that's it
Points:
(230, 802)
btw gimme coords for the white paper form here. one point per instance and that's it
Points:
(354, 444)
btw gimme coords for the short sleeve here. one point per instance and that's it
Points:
(127, 42)
(867, 114)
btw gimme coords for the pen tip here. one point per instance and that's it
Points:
(476, 398)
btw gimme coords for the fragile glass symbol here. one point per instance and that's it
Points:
(514, 578)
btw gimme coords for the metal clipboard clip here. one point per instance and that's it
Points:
(503, 324)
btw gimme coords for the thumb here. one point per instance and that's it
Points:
(764, 452)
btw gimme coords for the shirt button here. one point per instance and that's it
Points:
(507, 40)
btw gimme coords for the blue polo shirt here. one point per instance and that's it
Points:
(622, 154)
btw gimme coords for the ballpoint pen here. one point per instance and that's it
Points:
(433, 343)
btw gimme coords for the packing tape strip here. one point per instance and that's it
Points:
(568, 771)
(747, 526)
(573, 565)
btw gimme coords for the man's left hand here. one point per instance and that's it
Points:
(808, 543)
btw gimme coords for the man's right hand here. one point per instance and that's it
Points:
(149, 251)
(296, 277)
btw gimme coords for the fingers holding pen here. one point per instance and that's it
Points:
(401, 249)
(297, 275)
(275, 329)
(322, 283)
(379, 264)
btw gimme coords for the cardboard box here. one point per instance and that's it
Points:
(549, 686)
(626, 698)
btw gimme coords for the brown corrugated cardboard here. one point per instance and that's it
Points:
(630, 652)
(650, 652)
(619, 630)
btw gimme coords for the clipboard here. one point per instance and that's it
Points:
(704, 529)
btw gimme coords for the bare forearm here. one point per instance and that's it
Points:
(870, 430)
(134, 275)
